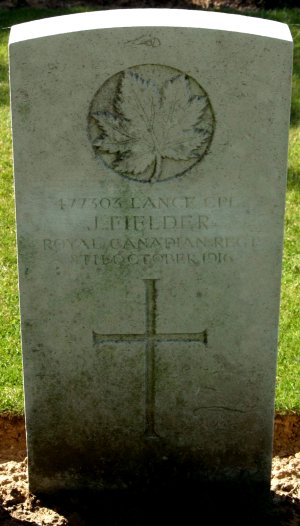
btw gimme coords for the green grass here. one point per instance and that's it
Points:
(11, 396)
(288, 372)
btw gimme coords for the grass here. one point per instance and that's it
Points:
(288, 370)
(11, 394)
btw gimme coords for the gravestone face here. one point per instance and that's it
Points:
(150, 153)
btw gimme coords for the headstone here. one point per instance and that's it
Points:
(150, 152)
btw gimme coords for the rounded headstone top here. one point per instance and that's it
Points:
(124, 18)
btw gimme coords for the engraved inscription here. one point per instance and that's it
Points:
(149, 243)
(149, 260)
(145, 40)
(140, 223)
(150, 338)
(131, 230)
(136, 203)
(150, 123)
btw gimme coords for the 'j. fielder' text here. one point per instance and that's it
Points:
(139, 223)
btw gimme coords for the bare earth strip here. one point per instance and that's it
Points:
(19, 507)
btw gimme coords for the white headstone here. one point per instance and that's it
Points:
(150, 152)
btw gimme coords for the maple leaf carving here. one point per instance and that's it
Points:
(149, 124)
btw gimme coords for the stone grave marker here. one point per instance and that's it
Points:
(150, 154)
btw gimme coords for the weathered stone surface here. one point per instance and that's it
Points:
(150, 156)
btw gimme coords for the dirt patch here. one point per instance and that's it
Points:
(286, 435)
(281, 508)
(12, 438)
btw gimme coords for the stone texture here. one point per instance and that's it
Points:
(150, 154)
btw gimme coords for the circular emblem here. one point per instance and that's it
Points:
(150, 123)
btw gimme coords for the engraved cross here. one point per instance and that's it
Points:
(150, 338)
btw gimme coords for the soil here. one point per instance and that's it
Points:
(280, 508)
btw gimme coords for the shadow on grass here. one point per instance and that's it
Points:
(4, 89)
(295, 107)
(293, 181)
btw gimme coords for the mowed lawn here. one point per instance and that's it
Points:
(288, 369)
